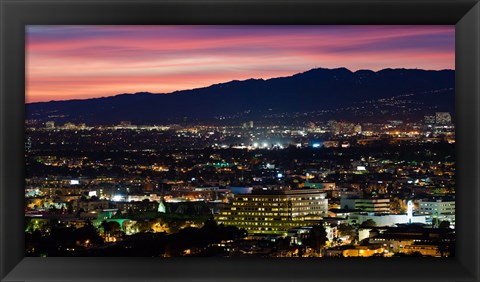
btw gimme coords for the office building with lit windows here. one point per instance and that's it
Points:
(429, 119)
(443, 118)
(366, 205)
(441, 209)
(274, 212)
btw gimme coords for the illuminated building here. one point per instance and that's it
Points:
(429, 119)
(58, 191)
(358, 129)
(366, 205)
(339, 127)
(69, 125)
(136, 206)
(340, 192)
(320, 185)
(364, 251)
(425, 250)
(412, 238)
(50, 124)
(395, 123)
(440, 209)
(330, 144)
(299, 235)
(274, 212)
(90, 205)
(383, 219)
(443, 118)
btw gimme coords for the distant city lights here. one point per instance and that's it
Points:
(117, 198)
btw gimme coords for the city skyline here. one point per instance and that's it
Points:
(344, 148)
(79, 62)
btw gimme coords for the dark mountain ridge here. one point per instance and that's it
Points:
(314, 90)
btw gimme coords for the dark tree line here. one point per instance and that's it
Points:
(86, 242)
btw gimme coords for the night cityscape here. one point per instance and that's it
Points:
(322, 162)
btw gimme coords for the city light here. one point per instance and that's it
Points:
(277, 149)
(189, 171)
(117, 198)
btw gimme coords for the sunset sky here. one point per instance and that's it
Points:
(78, 62)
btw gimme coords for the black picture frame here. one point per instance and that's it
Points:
(15, 14)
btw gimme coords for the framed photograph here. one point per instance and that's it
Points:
(240, 141)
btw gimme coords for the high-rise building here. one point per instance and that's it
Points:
(358, 129)
(429, 119)
(395, 122)
(50, 124)
(366, 205)
(274, 212)
(341, 127)
(443, 118)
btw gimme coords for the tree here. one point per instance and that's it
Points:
(444, 224)
(345, 229)
(37, 225)
(69, 207)
(110, 227)
(398, 206)
(80, 211)
(54, 210)
(317, 237)
(143, 226)
(283, 242)
(159, 225)
(88, 233)
(368, 223)
(118, 215)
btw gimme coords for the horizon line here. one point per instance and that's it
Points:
(223, 82)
